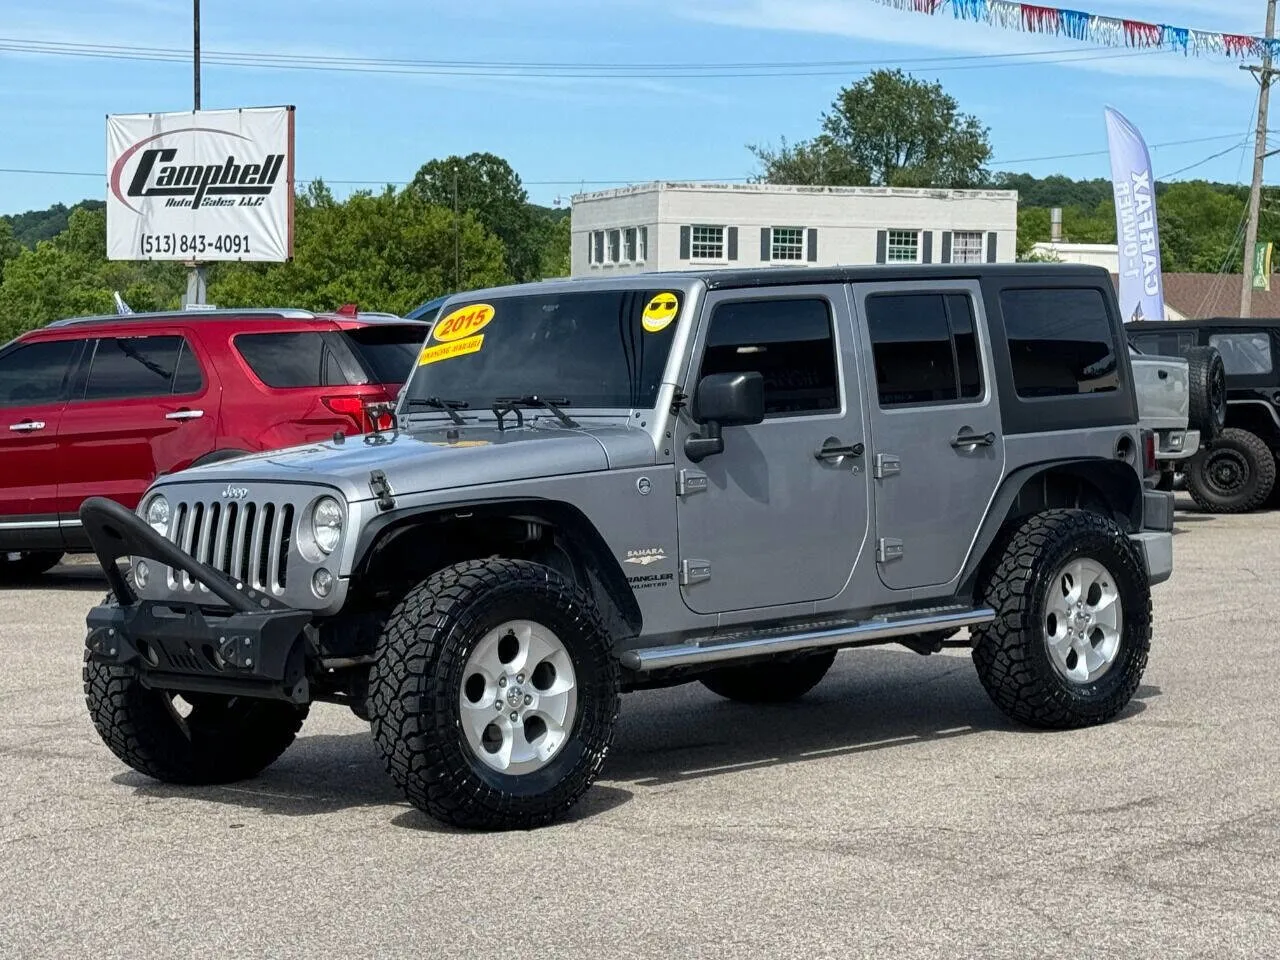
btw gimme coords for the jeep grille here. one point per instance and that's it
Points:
(249, 542)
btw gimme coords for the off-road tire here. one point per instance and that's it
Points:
(27, 565)
(773, 682)
(1250, 458)
(416, 679)
(1208, 392)
(1011, 654)
(222, 740)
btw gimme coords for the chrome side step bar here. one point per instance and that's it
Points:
(880, 628)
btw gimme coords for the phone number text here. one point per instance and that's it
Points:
(193, 244)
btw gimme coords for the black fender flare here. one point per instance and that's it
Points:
(565, 517)
(1115, 480)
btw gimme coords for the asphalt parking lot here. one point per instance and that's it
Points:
(892, 813)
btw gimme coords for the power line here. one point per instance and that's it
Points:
(567, 70)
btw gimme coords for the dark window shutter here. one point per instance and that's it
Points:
(813, 246)
(766, 248)
(926, 246)
(882, 246)
(946, 247)
(685, 240)
(733, 243)
(991, 247)
(598, 237)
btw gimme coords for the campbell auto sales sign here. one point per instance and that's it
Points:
(202, 186)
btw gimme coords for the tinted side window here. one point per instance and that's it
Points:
(1244, 354)
(1060, 342)
(925, 348)
(388, 352)
(789, 342)
(133, 367)
(188, 378)
(36, 373)
(1164, 344)
(285, 359)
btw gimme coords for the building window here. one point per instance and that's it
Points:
(904, 246)
(597, 247)
(629, 245)
(615, 243)
(707, 243)
(967, 247)
(787, 243)
(642, 244)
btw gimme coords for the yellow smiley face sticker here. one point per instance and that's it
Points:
(659, 312)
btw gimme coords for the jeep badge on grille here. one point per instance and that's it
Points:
(234, 493)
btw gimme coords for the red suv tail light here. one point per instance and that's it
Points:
(1149, 465)
(367, 414)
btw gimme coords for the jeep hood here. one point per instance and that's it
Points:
(431, 459)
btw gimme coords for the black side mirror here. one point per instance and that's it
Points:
(723, 400)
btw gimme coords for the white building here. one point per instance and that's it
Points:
(1105, 255)
(677, 226)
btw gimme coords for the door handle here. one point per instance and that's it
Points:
(837, 450)
(26, 426)
(962, 440)
(184, 415)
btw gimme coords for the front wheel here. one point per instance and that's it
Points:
(1072, 632)
(494, 694)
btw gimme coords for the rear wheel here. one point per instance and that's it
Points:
(19, 565)
(774, 682)
(1072, 632)
(1234, 475)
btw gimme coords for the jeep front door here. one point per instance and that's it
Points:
(774, 519)
(936, 453)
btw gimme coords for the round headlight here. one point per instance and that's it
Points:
(326, 524)
(158, 515)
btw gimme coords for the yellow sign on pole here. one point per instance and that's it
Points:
(1262, 267)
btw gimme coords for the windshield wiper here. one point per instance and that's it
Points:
(451, 407)
(505, 405)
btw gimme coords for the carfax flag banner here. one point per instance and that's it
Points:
(1138, 236)
(201, 186)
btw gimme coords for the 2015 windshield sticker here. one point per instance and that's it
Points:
(463, 322)
(659, 312)
(447, 351)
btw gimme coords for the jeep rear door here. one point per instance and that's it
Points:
(768, 521)
(936, 453)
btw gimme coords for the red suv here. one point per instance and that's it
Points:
(100, 406)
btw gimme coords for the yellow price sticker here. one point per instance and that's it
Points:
(447, 351)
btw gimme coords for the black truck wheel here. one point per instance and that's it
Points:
(1208, 393)
(17, 566)
(1072, 631)
(1236, 474)
(773, 682)
(494, 694)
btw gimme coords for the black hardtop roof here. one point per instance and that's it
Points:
(1203, 322)
(879, 273)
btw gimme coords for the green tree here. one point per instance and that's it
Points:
(888, 129)
(388, 251)
(488, 188)
(555, 243)
(70, 276)
(1200, 229)
(10, 248)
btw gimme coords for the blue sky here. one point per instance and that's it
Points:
(564, 134)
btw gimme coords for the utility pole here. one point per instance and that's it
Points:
(457, 233)
(1265, 75)
(195, 273)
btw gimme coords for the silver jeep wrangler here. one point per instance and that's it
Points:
(601, 485)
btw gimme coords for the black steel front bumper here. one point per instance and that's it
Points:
(255, 646)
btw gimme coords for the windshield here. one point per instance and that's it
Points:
(586, 349)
